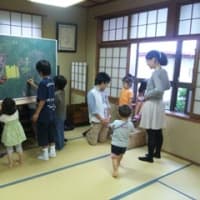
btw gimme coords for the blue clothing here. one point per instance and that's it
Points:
(121, 132)
(59, 135)
(45, 92)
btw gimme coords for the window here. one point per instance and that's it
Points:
(78, 76)
(189, 19)
(178, 38)
(19, 24)
(149, 24)
(113, 61)
(115, 29)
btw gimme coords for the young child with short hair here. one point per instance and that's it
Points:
(45, 111)
(122, 129)
(126, 94)
(60, 83)
(13, 134)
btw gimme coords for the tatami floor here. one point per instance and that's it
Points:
(81, 171)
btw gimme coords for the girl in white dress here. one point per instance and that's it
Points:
(13, 134)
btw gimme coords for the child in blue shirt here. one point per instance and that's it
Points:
(45, 111)
(122, 129)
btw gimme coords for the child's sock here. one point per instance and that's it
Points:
(52, 151)
(44, 155)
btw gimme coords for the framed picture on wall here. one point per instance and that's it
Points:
(66, 35)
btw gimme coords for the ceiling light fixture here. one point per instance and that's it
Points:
(59, 3)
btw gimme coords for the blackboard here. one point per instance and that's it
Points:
(18, 57)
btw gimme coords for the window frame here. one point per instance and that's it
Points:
(171, 34)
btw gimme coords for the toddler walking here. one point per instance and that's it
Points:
(13, 134)
(122, 128)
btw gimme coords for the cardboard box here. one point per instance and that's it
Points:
(137, 139)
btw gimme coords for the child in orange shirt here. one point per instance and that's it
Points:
(126, 94)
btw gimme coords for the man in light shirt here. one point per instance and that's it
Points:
(99, 110)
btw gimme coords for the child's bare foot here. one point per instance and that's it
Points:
(115, 174)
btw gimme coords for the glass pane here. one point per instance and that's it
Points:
(162, 15)
(125, 33)
(134, 32)
(114, 82)
(197, 94)
(152, 17)
(102, 62)
(115, 72)
(161, 29)
(184, 27)
(36, 32)
(108, 62)
(196, 109)
(186, 12)
(37, 21)
(133, 55)
(119, 34)
(109, 52)
(115, 62)
(122, 63)
(15, 30)
(134, 20)
(119, 22)
(187, 61)
(198, 80)
(196, 10)
(15, 19)
(105, 25)
(26, 32)
(4, 17)
(142, 18)
(26, 20)
(195, 26)
(122, 72)
(112, 24)
(123, 52)
(112, 35)
(116, 52)
(5, 29)
(151, 30)
(181, 100)
(167, 98)
(101, 69)
(125, 22)
(105, 36)
(108, 70)
(141, 31)
(102, 52)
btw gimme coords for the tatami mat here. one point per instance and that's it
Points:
(75, 151)
(186, 181)
(156, 191)
(81, 171)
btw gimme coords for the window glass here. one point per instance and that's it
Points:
(187, 61)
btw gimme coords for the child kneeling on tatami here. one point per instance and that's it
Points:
(122, 129)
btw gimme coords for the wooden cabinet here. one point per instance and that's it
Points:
(77, 114)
